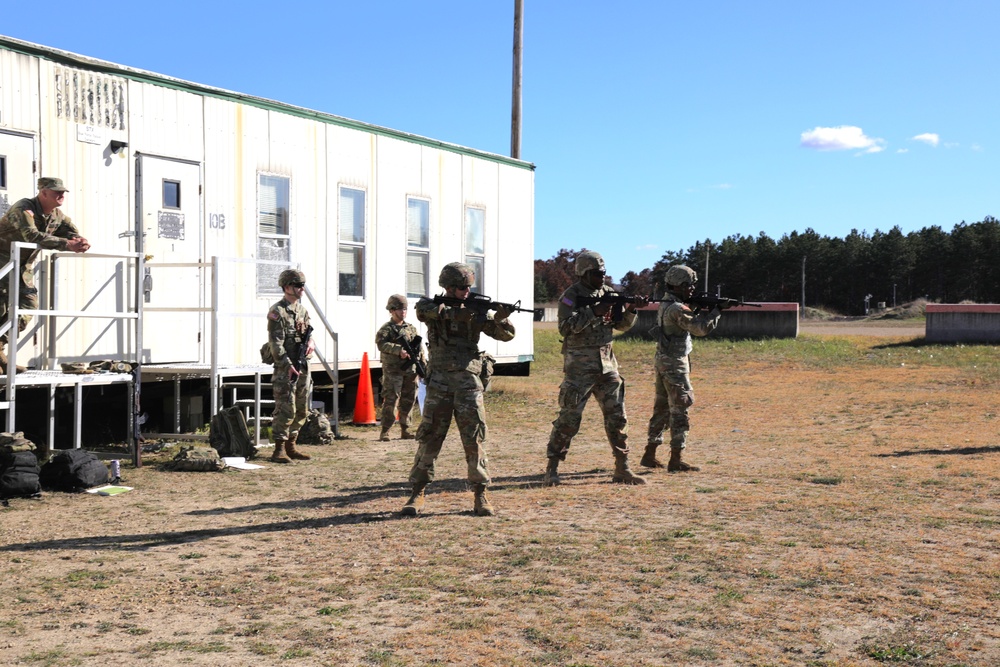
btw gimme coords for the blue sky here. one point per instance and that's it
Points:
(653, 124)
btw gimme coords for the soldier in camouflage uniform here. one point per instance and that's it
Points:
(399, 384)
(36, 220)
(675, 324)
(286, 323)
(454, 386)
(590, 367)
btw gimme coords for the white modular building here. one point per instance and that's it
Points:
(185, 176)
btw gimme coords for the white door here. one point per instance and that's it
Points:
(17, 169)
(170, 217)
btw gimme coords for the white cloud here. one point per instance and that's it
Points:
(977, 148)
(928, 138)
(903, 150)
(648, 246)
(722, 186)
(841, 138)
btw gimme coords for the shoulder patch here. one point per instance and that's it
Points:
(273, 315)
(568, 301)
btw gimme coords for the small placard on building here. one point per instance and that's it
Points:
(170, 225)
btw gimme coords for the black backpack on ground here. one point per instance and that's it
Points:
(74, 470)
(18, 475)
(229, 435)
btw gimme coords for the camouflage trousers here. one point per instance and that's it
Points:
(397, 388)
(585, 375)
(291, 403)
(458, 394)
(27, 299)
(674, 396)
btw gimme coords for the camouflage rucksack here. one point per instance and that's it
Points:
(197, 458)
(316, 430)
(229, 435)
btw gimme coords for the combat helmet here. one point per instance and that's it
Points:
(457, 274)
(680, 275)
(588, 260)
(396, 301)
(289, 276)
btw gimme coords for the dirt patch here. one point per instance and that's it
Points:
(846, 514)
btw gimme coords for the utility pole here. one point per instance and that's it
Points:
(708, 249)
(515, 104)
(803, 283)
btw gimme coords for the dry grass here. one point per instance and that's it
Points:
(846, 514)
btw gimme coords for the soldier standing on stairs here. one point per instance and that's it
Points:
(399, 372)
(675, 324)
(455, 386)
(37, 220)
(590, 369)
(286, 323)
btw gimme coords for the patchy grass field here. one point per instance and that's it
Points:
(846, 514)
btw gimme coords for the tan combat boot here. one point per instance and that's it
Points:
(482, 505)
(676, 465)
(623, 474)
(384, 436)
(552, 472)
(406, 433)
(279, 452)
(649, 459)
(416, 501)
(294, 453)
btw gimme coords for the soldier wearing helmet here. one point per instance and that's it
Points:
(287, 321)
(455, 385)
(590, 368)
(399, 374)
(675, 324)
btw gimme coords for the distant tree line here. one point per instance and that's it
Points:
(832, 273)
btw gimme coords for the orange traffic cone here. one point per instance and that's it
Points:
(364, 404)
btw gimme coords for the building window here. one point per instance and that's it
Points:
(475, 246)
(351, 257)
(273, 240)
(3, 172)
(418, 224)
(171, 194)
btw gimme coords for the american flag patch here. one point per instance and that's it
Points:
(273, 315)
(568, 301)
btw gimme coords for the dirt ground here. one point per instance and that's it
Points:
(845, 513)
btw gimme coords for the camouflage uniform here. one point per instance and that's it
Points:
(454, 388)
(51, 232)
(589, 367)
(675, 324)
(286, 322)
(398, 385)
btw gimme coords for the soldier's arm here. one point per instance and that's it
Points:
(427, 310)
(24, 223)
(386, 345)
(501, 330)
(573, 320)
(629, 318)
(276, 338)
(701, 324)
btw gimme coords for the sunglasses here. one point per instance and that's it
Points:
(297, 285)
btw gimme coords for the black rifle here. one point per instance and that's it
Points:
(706, 300)
(301, 363)
(413, 349)
(480, 304)
(616, 300)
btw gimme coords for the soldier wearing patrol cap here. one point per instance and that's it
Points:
(455, 386)
(37, 220)
(286, 325)
(399, 378)
(675, 324)
(590, 368)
